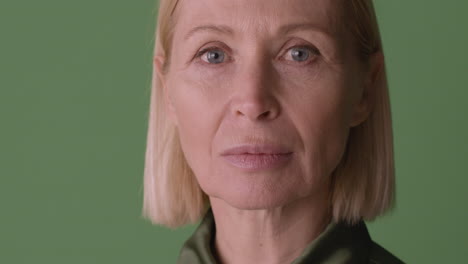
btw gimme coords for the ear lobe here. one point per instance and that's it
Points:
(368, 97)
(158, 62)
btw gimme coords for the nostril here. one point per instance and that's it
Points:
(257, 111)
(265, 114)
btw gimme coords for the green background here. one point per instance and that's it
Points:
(74, 87)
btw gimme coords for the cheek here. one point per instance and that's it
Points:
(195, 109)
(195, 96)
(320, 115)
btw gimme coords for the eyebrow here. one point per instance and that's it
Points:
(226, 30)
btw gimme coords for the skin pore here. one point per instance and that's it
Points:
(261, 91)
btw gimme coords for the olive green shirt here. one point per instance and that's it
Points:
(339, 243)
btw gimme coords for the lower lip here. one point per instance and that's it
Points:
(253, 162)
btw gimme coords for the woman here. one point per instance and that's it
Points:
(270, 121)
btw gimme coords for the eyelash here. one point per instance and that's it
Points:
(310, 48)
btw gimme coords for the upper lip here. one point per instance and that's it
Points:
(256, 149)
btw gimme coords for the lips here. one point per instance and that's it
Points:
(257, 157)
(256, 149)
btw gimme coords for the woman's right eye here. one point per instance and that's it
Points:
(211, 55)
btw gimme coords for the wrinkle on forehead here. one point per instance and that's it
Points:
(257, 16)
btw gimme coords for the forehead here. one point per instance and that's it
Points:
(258, 16)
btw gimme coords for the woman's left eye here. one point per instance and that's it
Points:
(302, 53)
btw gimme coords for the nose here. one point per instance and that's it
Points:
(254, 92)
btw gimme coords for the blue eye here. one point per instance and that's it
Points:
(302, 53)
(213, 55)
(299, 54)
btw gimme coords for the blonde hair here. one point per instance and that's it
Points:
(363, 184)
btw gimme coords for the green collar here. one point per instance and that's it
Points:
(338, 243)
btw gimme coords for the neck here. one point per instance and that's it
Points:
(276, 235)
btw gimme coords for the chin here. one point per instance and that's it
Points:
(256, 199)
(258, 190)
(257, 204)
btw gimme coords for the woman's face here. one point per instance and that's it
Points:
(277, 73)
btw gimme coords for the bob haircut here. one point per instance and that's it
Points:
(362, 185)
